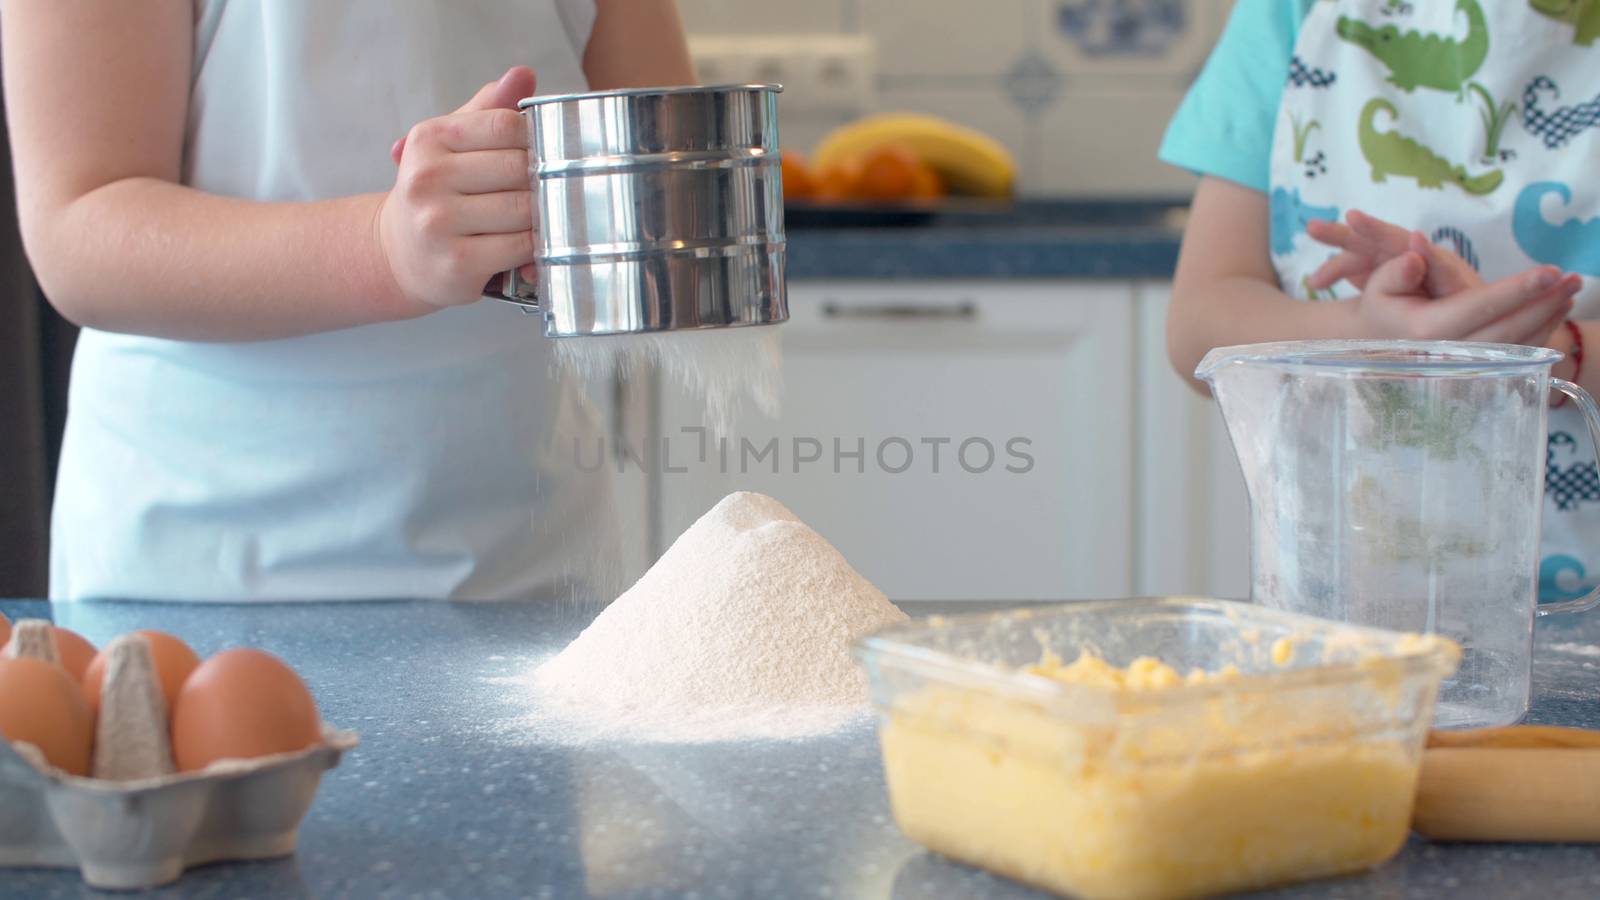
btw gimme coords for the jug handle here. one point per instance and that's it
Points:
(1591, 415)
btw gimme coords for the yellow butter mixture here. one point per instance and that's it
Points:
(1143, 674)
(1125, 795)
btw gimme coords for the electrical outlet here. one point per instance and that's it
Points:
(820, 73)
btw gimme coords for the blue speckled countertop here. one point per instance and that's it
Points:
(448, 797)
(1028, 239)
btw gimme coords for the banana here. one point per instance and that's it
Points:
(970, 162)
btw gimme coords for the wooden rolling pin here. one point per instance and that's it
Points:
(1526, 783)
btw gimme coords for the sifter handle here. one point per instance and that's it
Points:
(509, 287)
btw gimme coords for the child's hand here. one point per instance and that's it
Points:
(461, 208)
(1370, 242)
(1521, 309)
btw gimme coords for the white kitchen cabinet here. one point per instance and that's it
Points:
(1191, 510)
(903, 371)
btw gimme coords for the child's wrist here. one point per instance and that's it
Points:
(1559, 340)
(1569, 339)
(383, 289)
(1341, 321)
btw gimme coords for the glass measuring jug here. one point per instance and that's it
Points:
(1400, 485)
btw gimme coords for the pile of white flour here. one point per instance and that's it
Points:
(742, 630)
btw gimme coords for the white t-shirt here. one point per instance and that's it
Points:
(427, 458)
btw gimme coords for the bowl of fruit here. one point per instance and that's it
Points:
(894, 168)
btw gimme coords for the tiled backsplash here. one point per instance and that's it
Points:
(1080, 90)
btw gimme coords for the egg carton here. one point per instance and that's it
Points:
(125, 833)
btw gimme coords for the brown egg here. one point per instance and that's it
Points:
(75, 652)
(241, 704)
(5, 629)
(42, 705)
(174, 663)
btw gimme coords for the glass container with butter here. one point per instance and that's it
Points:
(1161, 748)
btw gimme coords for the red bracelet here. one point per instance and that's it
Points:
(1577, 356)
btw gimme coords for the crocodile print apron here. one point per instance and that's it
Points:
(1476, 122)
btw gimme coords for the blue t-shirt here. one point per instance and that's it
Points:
(1224, 126)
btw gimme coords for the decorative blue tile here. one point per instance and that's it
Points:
(1033, 83)
(1122, 27)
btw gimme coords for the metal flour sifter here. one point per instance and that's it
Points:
(658, 210)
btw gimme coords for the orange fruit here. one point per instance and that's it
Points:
(797, 181)
(840, 182)
(928, 185)
(894, 172)
(888, 173)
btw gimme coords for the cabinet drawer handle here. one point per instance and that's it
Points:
(965, 309)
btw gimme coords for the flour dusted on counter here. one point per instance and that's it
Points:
(742, 630)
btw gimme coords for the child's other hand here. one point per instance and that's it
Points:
(461, 208)
(1369, 242)
(1521, 309)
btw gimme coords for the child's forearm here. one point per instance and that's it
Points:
(1245, 310)
(1225, 290)
(146, 256)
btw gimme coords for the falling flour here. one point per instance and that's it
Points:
(742, 630)
(729, 368)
